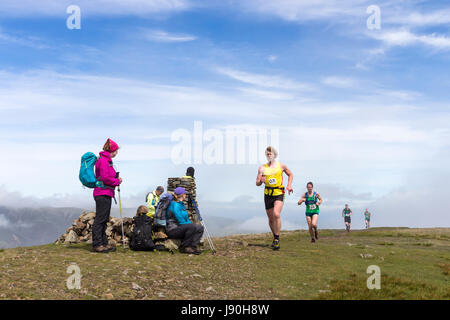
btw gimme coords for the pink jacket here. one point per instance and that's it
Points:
(104, 171)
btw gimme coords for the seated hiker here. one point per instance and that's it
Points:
(189, 173)
(178, 225)
(153, 199)
(141, 210)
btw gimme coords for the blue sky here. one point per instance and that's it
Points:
(362, 113)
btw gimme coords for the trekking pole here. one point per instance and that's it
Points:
(208, 236)
(121, 217)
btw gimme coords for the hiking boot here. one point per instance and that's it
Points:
(276, 244)
(111, 248)
(196, 251)
(187, 250)
(100, 249)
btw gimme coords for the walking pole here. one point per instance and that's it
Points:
(121, 217)
(208, 236)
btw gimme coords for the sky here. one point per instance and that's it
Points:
(359, 105)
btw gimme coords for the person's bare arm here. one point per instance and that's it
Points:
(320, 200)
(302, 199)
(260, 177)
(290, 178)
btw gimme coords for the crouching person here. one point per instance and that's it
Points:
(178, 225)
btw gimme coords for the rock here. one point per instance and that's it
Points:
(135, 286)
(88, 216)
(160, 235)
(127, 221)
(79, 227)
(172, 244)
(109, 231)
(109, 296)
(71, 237)
(366, 255)
(210, 289)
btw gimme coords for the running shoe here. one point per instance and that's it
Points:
(276, 244)
(316, 234)
(313, 240)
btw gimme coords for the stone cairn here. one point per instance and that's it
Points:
(81, 230)
(189, 185)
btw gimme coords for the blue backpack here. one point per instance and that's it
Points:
(87, 175)
(161, 209)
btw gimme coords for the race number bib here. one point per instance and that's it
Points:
(312, 207)
(272, 181)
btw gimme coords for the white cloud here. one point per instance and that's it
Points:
(339, 82)
(267, 94)
(307, 10)
(98, 7)
(163, 36)
(26, 41)
(419, 19)
(267, 81)
(4, 223)
(406, 38)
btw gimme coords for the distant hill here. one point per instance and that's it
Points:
(36, 226)
(33, 226)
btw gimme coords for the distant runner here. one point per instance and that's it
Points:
(367, 216)
(312, 202)
(271, 174)
(346, 213)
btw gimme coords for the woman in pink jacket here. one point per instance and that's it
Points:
(105, 172)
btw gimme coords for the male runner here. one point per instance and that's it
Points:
(367, 216)
(271, 174)
(346, 213)
(312, 202)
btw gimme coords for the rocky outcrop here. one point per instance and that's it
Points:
(81, 230)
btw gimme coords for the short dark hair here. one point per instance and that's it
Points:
(310, 183)
(160, 189)
(190, 172)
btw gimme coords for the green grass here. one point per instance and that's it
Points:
(414, 264)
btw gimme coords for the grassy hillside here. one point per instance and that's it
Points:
(415, 264)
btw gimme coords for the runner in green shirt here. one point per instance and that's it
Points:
(346, 213)
(367, 216)
(312, 202)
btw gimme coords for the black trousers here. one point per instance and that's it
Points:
(190, 234)
(103, 211)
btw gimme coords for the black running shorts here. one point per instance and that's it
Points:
(269, 201)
